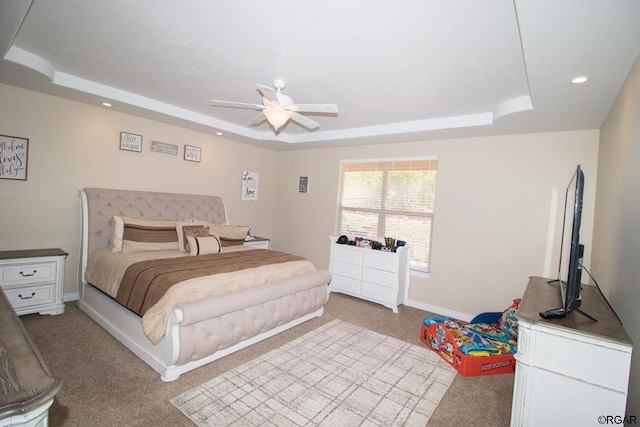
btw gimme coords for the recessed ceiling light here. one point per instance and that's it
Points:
(106, 104)
(579, 79)
(219, 133)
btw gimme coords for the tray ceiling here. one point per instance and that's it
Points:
(404, 71)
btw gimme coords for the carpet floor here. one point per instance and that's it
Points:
(104, 384)
(337, 375)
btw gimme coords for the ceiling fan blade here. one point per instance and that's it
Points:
(305, 121)
(315, 108)
(268, 92)
(257, 120)
(231, 104)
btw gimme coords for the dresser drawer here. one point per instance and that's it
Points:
(35, 272)
(345, 284)
(25, 296)
(345, 269)
(347, 254)
(386, 261)
(379, 277)
(378, 293)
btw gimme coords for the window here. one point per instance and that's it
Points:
(390, 198)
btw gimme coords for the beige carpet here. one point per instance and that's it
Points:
(337, 375)
(104, 384)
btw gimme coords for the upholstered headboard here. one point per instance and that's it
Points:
(100, 205)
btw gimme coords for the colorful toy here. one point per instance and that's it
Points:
(484, 346)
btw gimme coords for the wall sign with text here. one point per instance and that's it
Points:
(14, 153)
(130, 142)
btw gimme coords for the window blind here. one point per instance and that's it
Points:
(390, 198)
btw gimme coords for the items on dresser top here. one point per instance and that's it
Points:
(33, 280)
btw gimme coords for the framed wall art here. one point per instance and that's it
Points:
(250, 183)
(130, 142)
(164, 147)
(192, 153)
(303, 184)
(14, 155)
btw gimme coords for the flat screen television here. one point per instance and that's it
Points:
(571, 251)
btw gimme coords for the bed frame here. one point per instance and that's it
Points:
(189, 342)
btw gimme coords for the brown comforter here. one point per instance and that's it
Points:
(146, 282)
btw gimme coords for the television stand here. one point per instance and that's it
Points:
(561, 313)
(556, 358)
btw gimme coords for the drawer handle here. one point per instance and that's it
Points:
(29, 297)
(23, 274)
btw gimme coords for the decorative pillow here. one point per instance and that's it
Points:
(193, 231)
(231, 242)
(229, 235)
(149, 235)
(181, 238)
(118, 231)
(228, 232)
(203, 245)
(508, 320)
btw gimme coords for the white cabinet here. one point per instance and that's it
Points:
(33, 280)
(373, 275)
(569, 371)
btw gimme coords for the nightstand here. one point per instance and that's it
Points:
(258, 242)
(33, 280)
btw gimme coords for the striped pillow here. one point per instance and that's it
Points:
(149, 235)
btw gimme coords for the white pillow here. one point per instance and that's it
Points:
(203, 245)
(118, 231)
(230, 232)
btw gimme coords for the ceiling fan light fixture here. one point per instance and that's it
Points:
(277, 116)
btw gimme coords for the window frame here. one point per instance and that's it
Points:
(415, 270)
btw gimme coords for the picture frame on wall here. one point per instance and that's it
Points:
(130, 142)
(164, 147)
(250, 184)
(14, 156)
(303, 184)
(192, 153)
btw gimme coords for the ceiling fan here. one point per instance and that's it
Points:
(278, 108)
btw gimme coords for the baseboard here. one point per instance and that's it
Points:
(73, 296)
(439, 310)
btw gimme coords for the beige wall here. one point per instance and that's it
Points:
(495, 197)
(616, 241)
(73, 145)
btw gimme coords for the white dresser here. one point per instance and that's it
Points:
(33, 280)
(570, 371)
(373, 275)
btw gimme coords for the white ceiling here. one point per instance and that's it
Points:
(398, 71)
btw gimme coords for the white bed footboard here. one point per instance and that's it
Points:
(164, 357)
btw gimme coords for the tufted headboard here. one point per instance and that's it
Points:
(100, 205)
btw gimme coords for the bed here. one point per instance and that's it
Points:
(214, 312)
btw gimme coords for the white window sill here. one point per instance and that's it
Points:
(418, 273)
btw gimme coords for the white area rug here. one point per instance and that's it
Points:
(336, 375)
